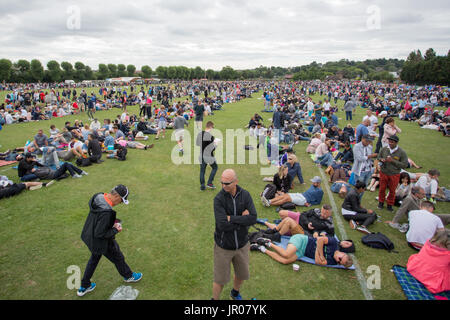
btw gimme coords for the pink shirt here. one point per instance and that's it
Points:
(431, 266)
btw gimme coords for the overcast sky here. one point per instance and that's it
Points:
(216, 33)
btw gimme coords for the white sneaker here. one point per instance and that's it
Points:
(49, 183)
(76, 176)
(84, 173)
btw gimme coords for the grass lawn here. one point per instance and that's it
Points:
(169, 223)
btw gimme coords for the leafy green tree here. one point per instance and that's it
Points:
(37, 70)
(103, 72)
(112, 68)
(122, 70)
(131, 69)
(55, 73)
(146, 72)
(161, 71)
(68, 70)
(5, 69)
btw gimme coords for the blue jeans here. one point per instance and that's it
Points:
(326, 160)
(348, 115)
(28, 177)
(364, 177)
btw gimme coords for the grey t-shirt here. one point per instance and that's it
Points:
(179, 122)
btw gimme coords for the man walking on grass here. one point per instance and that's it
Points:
(98, 234)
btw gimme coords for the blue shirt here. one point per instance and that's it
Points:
(294, 171)
(313, 195)
(109, 141)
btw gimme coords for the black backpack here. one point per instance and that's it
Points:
(378, 241)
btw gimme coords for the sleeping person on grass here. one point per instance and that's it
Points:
(324, 250)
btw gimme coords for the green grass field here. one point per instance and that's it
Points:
(169, 223)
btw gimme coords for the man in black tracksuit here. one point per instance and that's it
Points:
(99, 233)
(234, 213)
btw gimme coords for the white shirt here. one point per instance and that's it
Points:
(422, 226)
(373, 122)
(76, 145)
(310, 106)
(326, 106)
(426, 183)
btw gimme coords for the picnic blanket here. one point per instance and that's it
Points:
(284, 242)
(5, 163)
(413, 289)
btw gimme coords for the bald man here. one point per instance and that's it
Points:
(234, 213)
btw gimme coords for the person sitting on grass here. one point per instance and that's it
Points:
(46, 173)
(429, 183)
(410, 203)
(423, 224)
(294, 169)
(282, 180)
(358, 217)
(431, 265)
(403, 189)
(324, 250)
(375, 177)
(313, 196)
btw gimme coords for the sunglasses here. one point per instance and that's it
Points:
(226, 183)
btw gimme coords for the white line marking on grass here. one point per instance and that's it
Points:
(362, 280)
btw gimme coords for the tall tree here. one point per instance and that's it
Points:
(55, 73)
(112, 70)
(68, 70)
(5, 69)
(121, 70)
(430, 54)
(37, 70)
(80, 72)
(161, 71)
(146, 72)
(131, 69)
(103, 71)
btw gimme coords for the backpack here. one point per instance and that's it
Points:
(84, 162)
(288, 206)
(269, 191)
(378, 241)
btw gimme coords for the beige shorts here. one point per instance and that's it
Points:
(222, 264)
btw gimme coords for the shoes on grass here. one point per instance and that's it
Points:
(353, 224)
(363, 230)
(134, 278)
(82, 291)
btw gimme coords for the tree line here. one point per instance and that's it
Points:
(416, 69)
(427, 69)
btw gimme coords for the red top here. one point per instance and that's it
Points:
(431, 266)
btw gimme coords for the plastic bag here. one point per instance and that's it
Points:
(124, 293)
